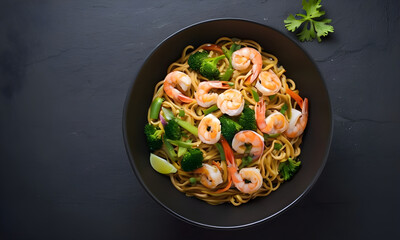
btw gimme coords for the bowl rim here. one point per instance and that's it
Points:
(130, 156)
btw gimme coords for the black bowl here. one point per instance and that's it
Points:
(316, 141)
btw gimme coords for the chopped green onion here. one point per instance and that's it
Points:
(272, 135)
(248, 148)
(211, 109)
(255, 95)
(284, 108)
(278, 146)
(272, 97)
(221, 151)
(245, 162)
(227, 75)
(181, 113)
(155, 107)
(193, 180)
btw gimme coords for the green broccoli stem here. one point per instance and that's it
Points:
(215, 60)
(189, 127)
(210, 109)
(155, 107)
(181, 143)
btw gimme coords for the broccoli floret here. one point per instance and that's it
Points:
(196, 59)
(289, 168)
(229, 128)
(153, 136)
(248, 119)
(192, 159)
(172, 130)
(209, 67)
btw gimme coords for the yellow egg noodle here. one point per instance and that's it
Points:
(271, 157)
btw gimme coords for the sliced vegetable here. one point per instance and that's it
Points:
(189, 127)
(228, 53)
(230, 160)
(221, 151)
(255, 95)
(193, 180)
(246, 162)
(295, 96)
(168, 113)
(271, 135)
(181, 113)
(169, 149)
(155, 107)
(211, 109)
(182, 143)
(162, 119)
(284, 108)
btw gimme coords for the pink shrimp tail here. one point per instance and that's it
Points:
(185, 99)
(256, 70)
(260, 114)
(305, 106)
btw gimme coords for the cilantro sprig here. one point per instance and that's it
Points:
(312, 26)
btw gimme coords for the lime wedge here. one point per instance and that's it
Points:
(161, 165)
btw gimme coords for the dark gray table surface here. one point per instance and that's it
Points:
(65, 68)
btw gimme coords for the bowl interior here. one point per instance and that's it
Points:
(316, 140)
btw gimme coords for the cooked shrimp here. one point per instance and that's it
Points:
(241, 61)
(268, 83)
(206, 99)
(273, 124)
(210, 129)
(238, 178)
(177, 78)
(298, 121)
(231, 102)
(247, 180)
(248, 137)
(211, 177)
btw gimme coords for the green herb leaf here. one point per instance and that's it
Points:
(312, 26)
